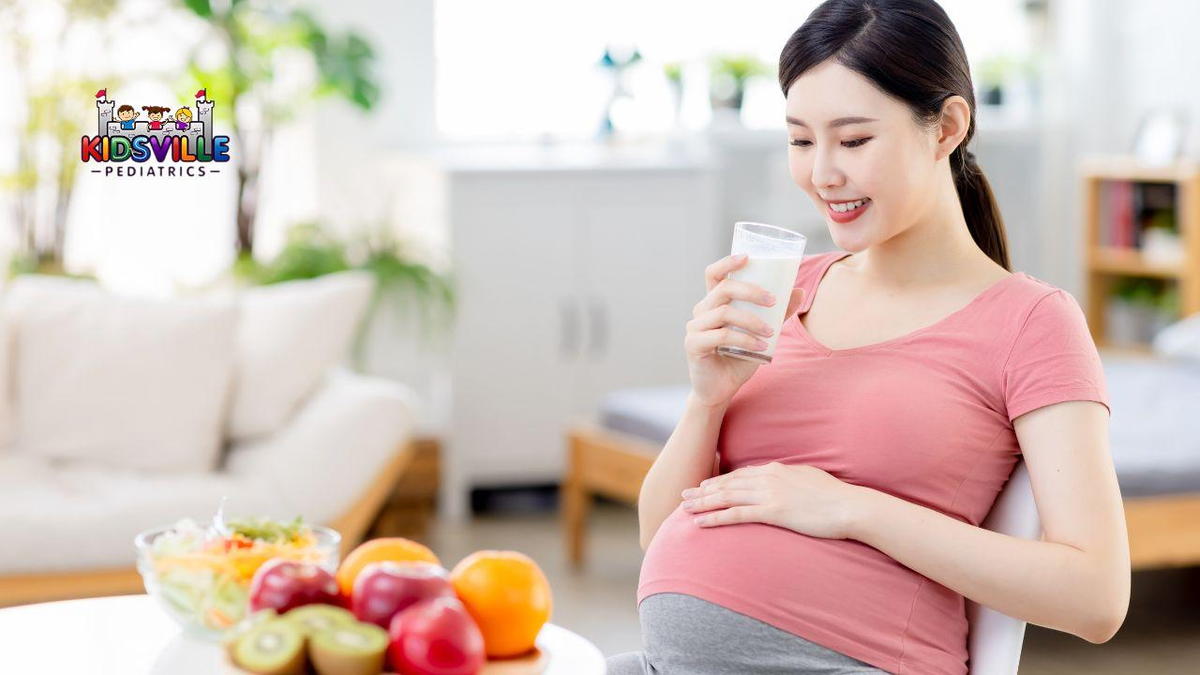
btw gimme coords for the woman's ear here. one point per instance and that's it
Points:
(954, 123)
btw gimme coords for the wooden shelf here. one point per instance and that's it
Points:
(1127, 168)
(1130, 262)
(1106, 265)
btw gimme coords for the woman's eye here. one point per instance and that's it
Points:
(848, 144)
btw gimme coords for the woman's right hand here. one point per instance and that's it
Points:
(716, 378)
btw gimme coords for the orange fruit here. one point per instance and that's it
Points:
(395, 549)
(508, 596)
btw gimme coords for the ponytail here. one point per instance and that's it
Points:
(979, 206)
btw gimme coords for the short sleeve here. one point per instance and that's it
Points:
(1053, 358)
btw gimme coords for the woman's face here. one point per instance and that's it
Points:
(858, 143)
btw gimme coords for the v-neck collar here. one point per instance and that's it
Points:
(810, 292)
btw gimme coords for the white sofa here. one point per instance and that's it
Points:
(119, 414)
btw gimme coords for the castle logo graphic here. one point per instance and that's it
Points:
(182, 143)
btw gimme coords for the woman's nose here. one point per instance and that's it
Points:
(825, 172)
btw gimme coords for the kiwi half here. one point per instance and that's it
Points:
(316, 618)
(351, 649)
(249, 622)
(274, 647)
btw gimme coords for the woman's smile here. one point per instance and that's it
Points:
(844, 212)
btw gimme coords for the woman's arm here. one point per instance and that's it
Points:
(688, 457)
(1075, 580)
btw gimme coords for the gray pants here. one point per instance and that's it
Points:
(684, 635)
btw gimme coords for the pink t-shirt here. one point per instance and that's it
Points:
(926, 417)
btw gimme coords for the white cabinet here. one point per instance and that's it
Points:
(572, 283)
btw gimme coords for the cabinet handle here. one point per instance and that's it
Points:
(569, 316)
(599, 326)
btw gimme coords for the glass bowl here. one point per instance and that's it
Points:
(207, 591)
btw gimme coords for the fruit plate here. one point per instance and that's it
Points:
(533, 663)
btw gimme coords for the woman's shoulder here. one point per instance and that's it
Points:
(1027, 292)
(1037, 311)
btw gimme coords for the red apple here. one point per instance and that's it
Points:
(436, 637)
(282, 584)
(385, 588)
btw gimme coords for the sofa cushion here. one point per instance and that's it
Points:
(74, 515)
(289, 335)
(8, 394)
(134, 383)
(71, 515)
(333, 447)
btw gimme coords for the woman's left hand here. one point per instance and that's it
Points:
(798, 497)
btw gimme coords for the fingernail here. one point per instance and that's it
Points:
(760, 345)
(739, 257)
(770, 299)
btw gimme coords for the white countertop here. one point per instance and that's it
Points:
(696, 150)
(573, 156)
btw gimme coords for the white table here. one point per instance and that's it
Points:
(131, 635)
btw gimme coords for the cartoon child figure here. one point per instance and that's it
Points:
(126, 115)
(183, 118)
(155, 114)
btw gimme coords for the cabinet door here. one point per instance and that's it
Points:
(519, 327)
(646, 242)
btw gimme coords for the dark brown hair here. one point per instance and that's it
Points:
(151, 109)
(911, 51)
(124, 108)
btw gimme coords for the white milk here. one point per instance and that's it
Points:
(776, 276)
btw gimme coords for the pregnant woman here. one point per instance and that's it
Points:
(820, 514)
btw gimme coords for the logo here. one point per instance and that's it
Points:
(181, 142)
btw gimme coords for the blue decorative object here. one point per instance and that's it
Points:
(615, 61)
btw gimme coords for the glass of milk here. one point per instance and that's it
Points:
(773, 259)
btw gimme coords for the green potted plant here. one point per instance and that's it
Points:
(728, 76)
(992, 76)
(997, 73)
(1140, 307)
(403, 285)
(673, 71)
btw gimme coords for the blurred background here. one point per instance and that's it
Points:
(533, 189)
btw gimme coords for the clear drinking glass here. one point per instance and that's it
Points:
(773, 259)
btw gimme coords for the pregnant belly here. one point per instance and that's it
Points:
(837, 592)
(793, 574)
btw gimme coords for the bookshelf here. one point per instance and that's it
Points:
(1141, 232)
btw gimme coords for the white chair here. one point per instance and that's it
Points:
(995, 639)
